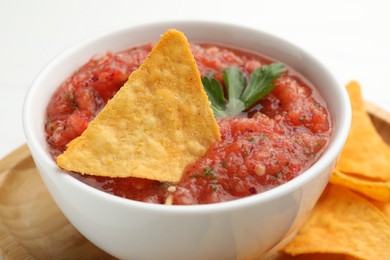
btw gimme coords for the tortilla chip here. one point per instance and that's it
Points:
(158, 122)
(344, 223)
(316, 257)
(376, 190)
(365, 154)
(382, 206)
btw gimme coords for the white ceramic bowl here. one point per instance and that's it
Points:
(246, 228)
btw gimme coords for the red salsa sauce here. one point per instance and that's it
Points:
(268, 145)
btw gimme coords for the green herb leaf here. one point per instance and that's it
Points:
(261, 83)
(235, 82)
(215, 94)
(240, 95)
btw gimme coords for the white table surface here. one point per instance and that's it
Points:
(351, 37)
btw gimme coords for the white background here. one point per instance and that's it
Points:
(351, 37)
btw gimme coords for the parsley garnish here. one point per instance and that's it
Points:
(241, 92)
(209, 172)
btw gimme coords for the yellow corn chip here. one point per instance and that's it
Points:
(365, 154)
(344, 223)
(385, 208)
(382, 206)
(158, 122)
(377, 190)
(316, 257)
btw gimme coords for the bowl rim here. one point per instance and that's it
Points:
(41, 156)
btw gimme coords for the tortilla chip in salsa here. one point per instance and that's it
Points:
(159, 122)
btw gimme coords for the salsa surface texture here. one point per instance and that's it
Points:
(268, 145)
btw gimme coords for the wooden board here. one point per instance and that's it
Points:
(32, 226)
